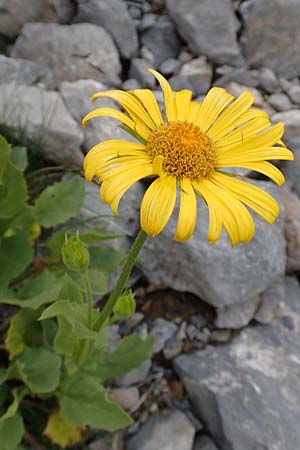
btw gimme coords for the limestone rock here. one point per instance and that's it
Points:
(20, 71)
(291, 204)
(73, 52)
(209, 28)
(247, 392)
(45, 120)
(219, 274)
(237, 316)
(164, 431)
(267, 44)
(114, 17)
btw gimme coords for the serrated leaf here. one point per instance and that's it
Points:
(39, 369)
(15, 255)
(61, 431)
(5, 151)
(20, 324)
(130, 352)
(106, 259)
(84, 402)
(19, 158)
(59, 202)
(13, 192)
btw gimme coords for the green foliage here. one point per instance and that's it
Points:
(54, 352)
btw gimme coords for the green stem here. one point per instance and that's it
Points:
(89, 298)
(127, 268)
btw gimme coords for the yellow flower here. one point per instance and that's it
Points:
(188, 146)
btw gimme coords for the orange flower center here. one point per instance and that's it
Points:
(187, 151)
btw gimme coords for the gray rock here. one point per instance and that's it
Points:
(291, 204)
(268, 80)
(127, 398)
(237, 89)
(294, 94)
(73, 52)
(162, 40)
(204, 443)
(219, 274)
(291, 120)
(65, 10)
(77, 97)
(127, 222)
(272, 302)
(172, 348)
(198, 74)
(265, 43)
(13, 14)
(42, 118)
(138, 71)
(20, 71)
(164, 431)
(147, 21)
(240, 76)
(291, 170)
(131, 84)
(170, 66)
(162, 330)
(220, 336)
(209, 27)
(247, 392)
(114, 17)
(237, 316)
(135, 376)
(280, 102)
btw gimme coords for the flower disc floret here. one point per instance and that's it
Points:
(186, 150)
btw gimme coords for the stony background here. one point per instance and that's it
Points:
(231, 333)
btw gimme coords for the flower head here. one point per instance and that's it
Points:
(188, 147)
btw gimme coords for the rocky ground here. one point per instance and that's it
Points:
(226, 368)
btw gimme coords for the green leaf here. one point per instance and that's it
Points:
(130, 352)
(56, 242)
(13, 192)
(3, 376)
(59, 202)
(70, 290)
(44, 281)
(20, 324)
(19, 158)
(76, 314)
(11, 424)
(106, 259)
(11, 432)
(34, 302)
(4, 156)
(84, 402)
(98, 234)
(98, 281)
(15, 255)
(39, 369)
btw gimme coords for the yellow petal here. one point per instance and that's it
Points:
(109, 112)
(243, 132)
(257, 199)
(182, 104)
(235, 157)
(237, 220)
(149, 101)
(226, 120)
(130, 103)
(113, 189)
(266, 138)
(215, 217)
(118, 166)
(187, 213)
(216, 100)
(263, 167)
(109, 150)
(168, 95)
(158, 204)
(194, 110)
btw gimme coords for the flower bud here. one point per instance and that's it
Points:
(125, 305)
(34, 231)
(75, 254)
